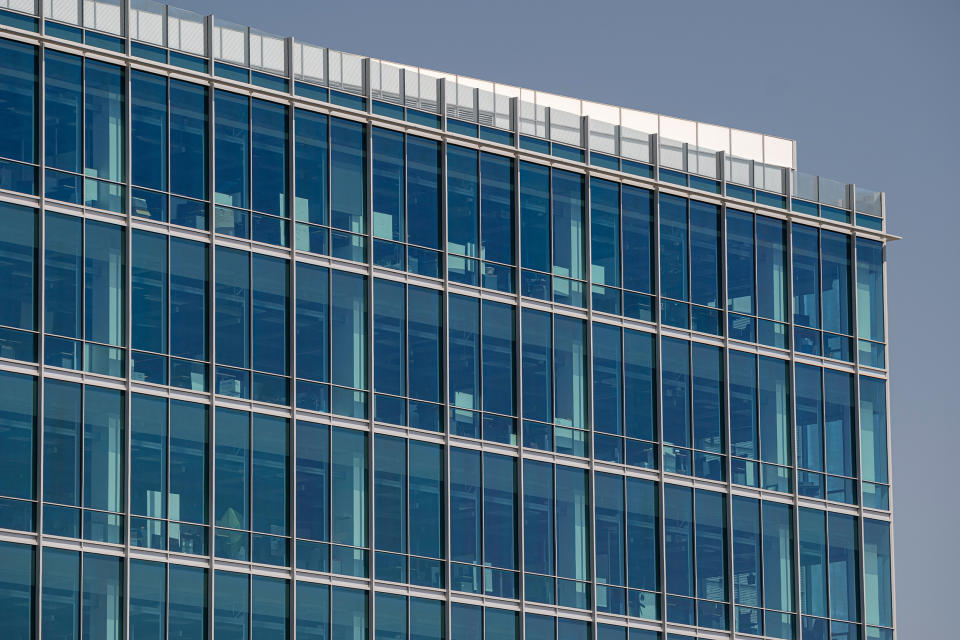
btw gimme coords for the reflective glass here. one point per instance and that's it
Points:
(63, 106)
(232, 149)
(570, 367)
(148, 291)
(740, 262)
(674, 262)
(349, 614)
(60, 596)
(835, 286)
(705, 249)
(148, 582)
(423, 192)
(312, 163)
(269, 306)
(312, 318)
(103, 453)
(464, 345)
(806, 276)
(348, 339)
(104, 282)
(18, 101)
(844, 552)
(348, 175)
(18, 425)
(567, 196)
(269, 611)
(678, 528)
(498, 358)
(389, 312)
(269, 159)
(463, 202)
(870, 309)
(148, 130)
(535, 216)
(877, 567)
(231, 605)
(189, 155)
(233, 307)
(425, 346)
(17, 600)
(313, 611)
(188, 299)
(496, 208)
(188, 602)
(102, 597)
(349, 487)
(104, 118)
(388, 184)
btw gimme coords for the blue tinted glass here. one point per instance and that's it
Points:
(270, 310)
(62, 442)
(464, 345)
(231, 606)
(538, 517)
(705, 249)
(605, 232)
(349, 487)
(104, 283)
(844, 553)
(311, 166)
(102, 596)
(607, 378)
(313, 480)
(103, 456)
(835, 284)
(496, 208)
(771, 268)
(610, 525)
(740, 262)
(389, 336)
(774, 404)
(501, 624)
(640, 381)
(711, 525)
(148, 291)
(348, 339)
(18, 263)
(870, 289)
(743, 405)
(674, 263)
(269, 157)
(390, 493)
(148, 455)
(570, 371)
(188, 298)
(63, 98)
(573, 529)
(188, 139)
(269, 474)
(17, 590)
(423, 192)
(103, 120)
(537, 366)
(18, 416)
(813, 562)
(188, 602)
(465, 510)
(148, 130)
(348, 614)
(463, 226)
(391, 617)
(678, 528)
(233, 307)
(269, 611)
(809, 411)
(806, 276)
(567, 191)
(638, 254)
(676, 391)
(747, 556)
(348, 175)
(232, 149)
(426, 499)
(708, 409)
(778, 580)
(232, 482)
(60, 597)
(873, 429)
(313, 308)
(535, 216)
(188, 461)
(424, 322)
(18, 101)
(148, 581)
(877, 572)
(839, 412)
(498, 358)
(313, 611)
(388, 184)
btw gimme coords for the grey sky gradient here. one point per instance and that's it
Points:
(870, 90)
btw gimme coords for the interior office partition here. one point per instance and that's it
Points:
(300, 344)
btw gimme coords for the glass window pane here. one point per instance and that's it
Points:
(535, 216)
(269, 157)
(60, 596)
(674, 263)
(839, 413)
(427, 620)
(638, 253)
(567, 190)
(743, 405)
(774, 402)
(423, 192)
(231, 606)
(313, 309)
(464, 345)
(678, 528)
(269, 482)
(102, 597)
(389, 337)
(390, 494)
(348, 175)
(313, 611)
(148, 594)
(188, 602)
(740, 260)
(104, 120)
(499, 389)
(538, 517)
(349, 614)
(537, 366)
(426, 499)
(809, 417)
(104, 283)
(311, 166)
(771, 269)
(463, 215)
(813, 562)
(18, 411)
(705, 249)
(63, 97)
(232, 464)
(610, 526)
(424, 320)
(148, 456)
(640, 384)
(18, 101)
(746, 552)
(148, 130)
(391, 617)
(711, 526)
(348, 505)
(388, 184)
(676, 392)
(349, 330)
(500, 511)
(232, 149)
(607, 378)
(63, 286)
(269, 612)
(573, 524)
(233, 307)
(18, 263)
(877, 572)
(103, 453)
(806, 276)
(873, 429)
(189, 158)
(17, 590)
(496, 208)
(870, 310)
(269, 306)
(605, 232)
(188, 461)
(570, 368)
(148, 291)
(62, 442)
(465, 510)
(835, 286)
(844, 567)
(778, 556)
(708, 409)
(313, 481)
(188, 299)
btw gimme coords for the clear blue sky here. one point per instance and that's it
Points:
(870, 90)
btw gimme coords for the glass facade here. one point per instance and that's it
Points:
(297, 362)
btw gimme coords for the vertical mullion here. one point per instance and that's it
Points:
(211, 329)
(127, 324)
(40, 288)
(370, 337)
(290, 223)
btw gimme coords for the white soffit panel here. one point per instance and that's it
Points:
(778, 151)
(639, 120)
(678, 129)
(745, 144)
(712, 137)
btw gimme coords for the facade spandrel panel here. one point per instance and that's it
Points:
(318, 364)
